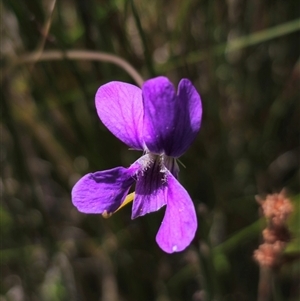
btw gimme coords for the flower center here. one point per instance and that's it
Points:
(171, 164)
(158, 166)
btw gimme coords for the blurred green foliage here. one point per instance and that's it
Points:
(242, 56)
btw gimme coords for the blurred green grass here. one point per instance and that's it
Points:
(243, 58)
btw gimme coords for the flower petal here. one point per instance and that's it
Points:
(102, 191)
(159, 100)
(120, 107)
(189, 115)
(129, 198)
(179, 225)
(171, 122)
(150, 191)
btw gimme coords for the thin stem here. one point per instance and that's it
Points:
(148, 58)
(264, 285)
(46, 29)
(55, 55)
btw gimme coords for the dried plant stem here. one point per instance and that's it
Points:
(46, 30)
(55, 55)
(264, 285)
(148, 58)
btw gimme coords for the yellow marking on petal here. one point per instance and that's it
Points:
(127, 200)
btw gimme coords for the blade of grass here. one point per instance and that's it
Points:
(148, 57)
(239, 43)
(237, 239)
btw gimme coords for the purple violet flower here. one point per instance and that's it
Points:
(163, 124)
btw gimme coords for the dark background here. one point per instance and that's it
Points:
(243, 58)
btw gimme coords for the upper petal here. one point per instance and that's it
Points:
(171, 122)
(150, 190)
(102, 191)
(120, 107)
(189, 115)
(179, 225)
(159, 100)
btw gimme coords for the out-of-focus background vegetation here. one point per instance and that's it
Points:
(243, 58)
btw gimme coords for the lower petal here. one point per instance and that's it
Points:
(102, 191)
(179, 225)
(150, 192)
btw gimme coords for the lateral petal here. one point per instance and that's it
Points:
(120, 107)
(102, 191)
(179, 225)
